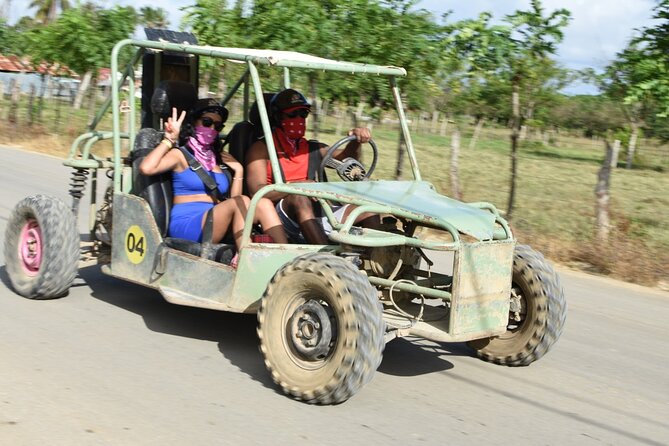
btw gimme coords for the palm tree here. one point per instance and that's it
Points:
(153, 17)
(48, 9)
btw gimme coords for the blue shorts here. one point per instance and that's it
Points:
(186, 220)
(292, 227)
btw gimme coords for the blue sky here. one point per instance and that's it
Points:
(597, 31)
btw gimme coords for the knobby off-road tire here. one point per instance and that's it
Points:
(41, 247)
(321, 329)
(543, 313)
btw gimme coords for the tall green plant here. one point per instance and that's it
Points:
(47, 10)
(519, 53)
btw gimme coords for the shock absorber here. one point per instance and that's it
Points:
(77, 187)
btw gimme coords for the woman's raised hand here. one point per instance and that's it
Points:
(173, 125)
(233, 164)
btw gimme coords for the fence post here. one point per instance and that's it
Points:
(455, 153)
(614, 154)
(15, 91)
(56, 119)
(31, 108)
(435, 121)
(444, 126)
(340, 119)
(477, 132)
(401, 148)
(631, 147)
(2, 99)
(602, 196)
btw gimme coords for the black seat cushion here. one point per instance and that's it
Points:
(155, 189)
(239, 140)
(219, 252)
(254, 116)
(243, 134)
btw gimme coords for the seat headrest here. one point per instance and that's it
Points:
(168, 94)
(254, 114)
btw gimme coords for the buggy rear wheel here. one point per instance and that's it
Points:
(536, 317)
(321, 330)
(41, 247)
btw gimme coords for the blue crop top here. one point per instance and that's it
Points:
(188, 183)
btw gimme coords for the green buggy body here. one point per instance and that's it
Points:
(438, 269)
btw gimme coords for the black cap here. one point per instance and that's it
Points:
(203, 106)
(289, 98)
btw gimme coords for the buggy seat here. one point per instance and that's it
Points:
(243, 134)
(157, 189)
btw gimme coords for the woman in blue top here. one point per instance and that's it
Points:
(199, 134)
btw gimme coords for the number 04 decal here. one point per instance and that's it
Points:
(135, 244)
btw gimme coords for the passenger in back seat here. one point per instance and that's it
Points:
(198, 132)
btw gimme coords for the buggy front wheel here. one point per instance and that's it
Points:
(321, 329)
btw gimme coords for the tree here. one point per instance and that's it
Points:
(516, 52)
(153, 17)
(533, 38)
(629, 81)
(594, 115)
(6, 37)
(638, 80)
(47, 10)
(75, 39)
(17, 39)
(214, 23)
(388, 32)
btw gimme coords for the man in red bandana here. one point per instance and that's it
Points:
(298, 159)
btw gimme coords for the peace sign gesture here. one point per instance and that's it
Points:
(173, 124)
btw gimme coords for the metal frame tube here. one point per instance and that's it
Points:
(405, 129)
(267, 130)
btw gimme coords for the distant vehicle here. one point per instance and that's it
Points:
(324, 312)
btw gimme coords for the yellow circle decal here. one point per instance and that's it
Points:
(135, 244)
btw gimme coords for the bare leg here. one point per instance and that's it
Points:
(301, 209)
(229, 215)
(269, 220)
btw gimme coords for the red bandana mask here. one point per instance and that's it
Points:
(294, 127)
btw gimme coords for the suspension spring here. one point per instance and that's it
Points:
(77, 187)
(78, 183)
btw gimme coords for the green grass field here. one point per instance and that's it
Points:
(555, 200)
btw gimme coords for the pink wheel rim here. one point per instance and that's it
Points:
(30, 247)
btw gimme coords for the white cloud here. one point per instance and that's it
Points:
(600, 29)
(597, 31)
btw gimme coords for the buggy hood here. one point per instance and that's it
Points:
(419, 199)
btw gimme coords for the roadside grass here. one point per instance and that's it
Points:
(555, 201)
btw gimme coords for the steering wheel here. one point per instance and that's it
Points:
(348, 169)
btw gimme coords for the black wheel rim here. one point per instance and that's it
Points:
(310, 332)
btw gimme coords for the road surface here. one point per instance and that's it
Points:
(114, 364)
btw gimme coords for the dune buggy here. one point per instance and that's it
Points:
(324, 312)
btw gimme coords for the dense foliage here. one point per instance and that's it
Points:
(470, 67)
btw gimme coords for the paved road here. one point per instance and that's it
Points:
(114, 364)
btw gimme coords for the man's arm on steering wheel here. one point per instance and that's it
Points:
(352, 149)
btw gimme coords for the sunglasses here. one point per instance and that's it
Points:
(301, 112)
(208, 122)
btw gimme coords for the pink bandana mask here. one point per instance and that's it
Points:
(294, 127)
(202, 144)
